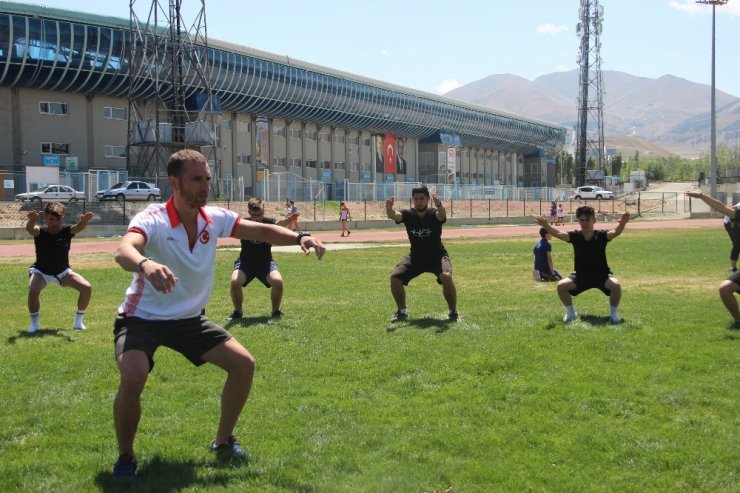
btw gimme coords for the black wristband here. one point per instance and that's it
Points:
(300, 236)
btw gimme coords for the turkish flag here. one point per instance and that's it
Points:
(390, 154)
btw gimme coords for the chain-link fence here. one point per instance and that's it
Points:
(645, 204)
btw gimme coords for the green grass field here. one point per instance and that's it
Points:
(509, 399)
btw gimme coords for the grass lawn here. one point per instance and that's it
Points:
(509, 399)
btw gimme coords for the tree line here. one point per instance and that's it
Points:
(670, 168)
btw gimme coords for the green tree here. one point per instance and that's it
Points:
(617, 165)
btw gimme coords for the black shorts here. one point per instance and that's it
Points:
(585, 283)
(407, 269)
(259, 271)
(191, 337)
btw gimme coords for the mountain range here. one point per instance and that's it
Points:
(667, 115)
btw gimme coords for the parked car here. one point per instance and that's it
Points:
(130, 190)
(52, 193)
(592, 192)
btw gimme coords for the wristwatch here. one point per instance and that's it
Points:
(301, 236)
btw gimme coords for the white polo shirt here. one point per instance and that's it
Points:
(193, 265)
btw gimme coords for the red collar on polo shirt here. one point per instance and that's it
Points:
(175, 217)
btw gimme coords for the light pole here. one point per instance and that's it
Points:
(713, 123)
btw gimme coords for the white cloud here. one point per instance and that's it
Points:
(691, 7)
(447, 85)
(551, 29)
(688, 6)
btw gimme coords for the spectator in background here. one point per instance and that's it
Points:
(294, 217)
(344, 217)
(553, 212)
(543, 265)
(561, 216)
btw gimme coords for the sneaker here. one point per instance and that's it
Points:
(399, 317)
(125, 468)
(276, 314)
(80, 326)
(615, 321)
(453, 316)
(236, 315)
(230, 450)
(32, 329)
(569, 318)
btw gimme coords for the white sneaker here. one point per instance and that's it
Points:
(615, 321)
(80, 326)
(569, 318)
(33, 328)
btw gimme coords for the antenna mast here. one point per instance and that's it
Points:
(171, 105)
(590, 134)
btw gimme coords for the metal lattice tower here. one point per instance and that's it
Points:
(171, 105)
(590, 128)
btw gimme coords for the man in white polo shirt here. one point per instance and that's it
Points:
(171, 250)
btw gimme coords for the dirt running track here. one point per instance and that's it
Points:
(26, 248)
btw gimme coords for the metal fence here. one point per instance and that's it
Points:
(645, 204)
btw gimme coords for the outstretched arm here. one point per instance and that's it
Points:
(277, 235)
(620, 227)
(556, 233)
(391, 212)
(31, 226)
(714, 204)
(84, 219)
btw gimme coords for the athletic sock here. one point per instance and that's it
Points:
(403, 311)
(34, 319)
(614, 313)
(79, 324)
(570, 311)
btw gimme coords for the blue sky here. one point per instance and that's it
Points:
(434, 45)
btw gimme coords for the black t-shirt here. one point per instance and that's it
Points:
(52, 250)
(254, 251)
(425, 234)
(590, 256)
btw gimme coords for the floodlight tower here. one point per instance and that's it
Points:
(590, 134)
(713, 124)
(171, 105)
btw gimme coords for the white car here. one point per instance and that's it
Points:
(592, 192)
(52, 193)
(130, 190)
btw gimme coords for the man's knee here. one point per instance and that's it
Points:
(728, 288)
(445, 278)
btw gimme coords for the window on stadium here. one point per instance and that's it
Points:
(53, 108)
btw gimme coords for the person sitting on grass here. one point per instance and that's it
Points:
(591, 268)
(731, 285)
(543, 258)
(52, 244)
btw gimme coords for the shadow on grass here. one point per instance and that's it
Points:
(162, 475)
(440, 325)
(60, 333)
(247, 321)
(598, 320)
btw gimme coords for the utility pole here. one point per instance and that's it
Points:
(713, 124)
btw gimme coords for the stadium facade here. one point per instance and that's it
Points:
(65, 91)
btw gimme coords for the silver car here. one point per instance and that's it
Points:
(592, 192)
(130, 190)
(52, 193)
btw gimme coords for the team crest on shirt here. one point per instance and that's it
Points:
(205, 236)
